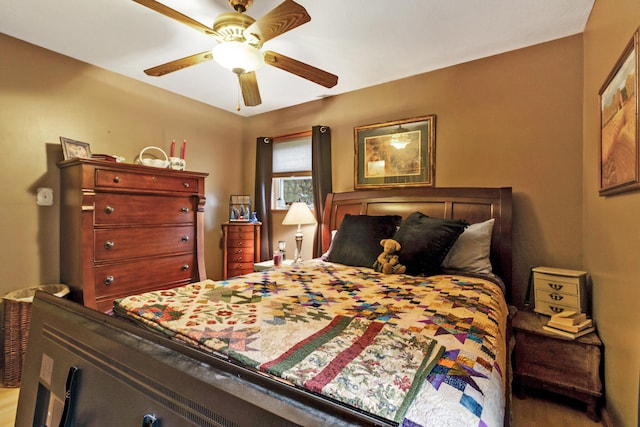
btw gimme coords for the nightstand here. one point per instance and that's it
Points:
(266, 265)
(551, 362)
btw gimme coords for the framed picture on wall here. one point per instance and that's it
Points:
(72, 149)
(400, 153)
(619, 150)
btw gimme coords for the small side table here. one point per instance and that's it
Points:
(266, 265)
(551, 362)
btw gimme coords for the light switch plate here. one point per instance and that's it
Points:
(44, 196)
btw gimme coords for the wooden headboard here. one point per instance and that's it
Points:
(471, 204)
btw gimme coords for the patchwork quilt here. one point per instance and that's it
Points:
(420, 351)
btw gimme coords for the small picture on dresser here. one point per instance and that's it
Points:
(239, 208)
(74, 149)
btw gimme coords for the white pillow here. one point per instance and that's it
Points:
(333, 236)
(470, 253)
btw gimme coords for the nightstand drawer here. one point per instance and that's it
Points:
(551, 283)
(553, 297)
(564, 363)
(551, 309)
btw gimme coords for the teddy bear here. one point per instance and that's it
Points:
(387, 262)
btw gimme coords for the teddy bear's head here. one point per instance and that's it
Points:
(390, 246)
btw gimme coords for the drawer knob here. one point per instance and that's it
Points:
(109, 244)
(185, 210)
(239, 251)
(116, 179)
(241, 243)
(556, 297)
(186, 184)
(556, 309)
(185, 267)
(238, 258)
(109, 210)
(109, 280)
(556, 286)
(185, 238)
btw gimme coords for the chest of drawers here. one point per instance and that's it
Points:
(557, 290)
(241, 247)
(127, 229)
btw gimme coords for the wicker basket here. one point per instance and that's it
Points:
(15, 329)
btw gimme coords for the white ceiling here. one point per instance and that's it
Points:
(364, 42)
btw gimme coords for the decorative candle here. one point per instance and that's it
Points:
(184, 149)
(173, 148)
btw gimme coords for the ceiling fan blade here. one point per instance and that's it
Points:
(301, 69)
(249, 88)
(179, 64)
(284, 17)
(174, 14)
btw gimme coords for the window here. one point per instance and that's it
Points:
(291, 179)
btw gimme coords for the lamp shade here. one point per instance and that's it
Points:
(299, 213)
(238, 57)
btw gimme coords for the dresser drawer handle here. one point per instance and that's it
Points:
(109, 280)
(185, 267)
(185, 238)
(185, 210)
(116, 179)
(556, 309)
(239, 258)
(556, 297)
(109, 210)
(186, 184)
(241, 243)
(555, 286)
(109, 244)
(239, 251)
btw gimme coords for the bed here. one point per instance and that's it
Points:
(412, 349)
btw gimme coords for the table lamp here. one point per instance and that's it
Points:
(298, 214)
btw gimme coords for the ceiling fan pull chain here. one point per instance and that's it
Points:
(238, 108)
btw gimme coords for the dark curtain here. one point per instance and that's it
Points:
(264, 171)
(321, 174)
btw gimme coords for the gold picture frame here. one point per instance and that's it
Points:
(400, 153)
(619, 152)
(72, 149)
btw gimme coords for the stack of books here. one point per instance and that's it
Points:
(570, 324)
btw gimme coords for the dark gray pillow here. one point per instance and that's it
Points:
(357, 242)
(426, 241)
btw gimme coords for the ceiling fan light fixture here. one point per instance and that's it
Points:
(238, 57)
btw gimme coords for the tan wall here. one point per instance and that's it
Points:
(46, 95)
(611, 231)
(509, 120)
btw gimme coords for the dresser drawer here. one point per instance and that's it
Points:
(239, 268)
(126, 278)
(565, 285)
(144, 181)
(138, 209)
(240, 243)
(241, 233)
(130, 243)
(552, 297)
(552, 308)
(237, 257)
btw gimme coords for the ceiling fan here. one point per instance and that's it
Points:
(239, 42)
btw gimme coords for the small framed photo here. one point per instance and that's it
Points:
(400, 153)
(75, 149)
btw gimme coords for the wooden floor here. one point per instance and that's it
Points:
(535, 410)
